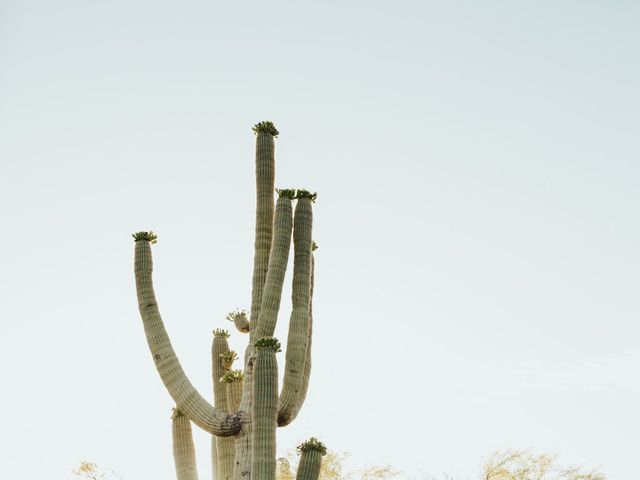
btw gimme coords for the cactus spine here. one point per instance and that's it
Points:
(247, 407)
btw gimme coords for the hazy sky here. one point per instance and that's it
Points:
(477, 165)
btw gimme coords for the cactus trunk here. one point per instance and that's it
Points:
(265, 409)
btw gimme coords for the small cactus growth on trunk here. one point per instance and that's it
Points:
(247, 405)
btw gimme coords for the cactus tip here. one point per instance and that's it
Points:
(289, 193)
(221, 332)
(145, 237)
(269, 342)
(229, 356)
(267, 127)
(301, 193)
(312, 444)
(232, 376)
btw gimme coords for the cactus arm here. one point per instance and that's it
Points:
(184, 454)
(265, 184)
(186, 397)
(240, 320)
(223, 447)
(278, 258)
(307, 361)
(233, 381)
(234, 392)
(311, 453)
(298, 338)
(265, 409)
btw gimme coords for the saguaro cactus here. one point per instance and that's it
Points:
(247, 407)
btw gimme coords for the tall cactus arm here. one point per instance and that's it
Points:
(186, 397)
(222, 449)
(265, 184)
(307, 362)
(298, 338)
(311, 453)
(278, 258)
(265, 409)
(184, 454)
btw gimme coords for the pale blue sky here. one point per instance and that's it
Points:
(477, 165)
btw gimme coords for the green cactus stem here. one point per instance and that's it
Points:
(186, 397)
(265, 409)
(277, 266)
(222, 448)
(265, 183)
(297, 341)
(311, 453)
(184, 454)
(240, 320)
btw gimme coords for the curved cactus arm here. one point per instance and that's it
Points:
(265, 409)
(186, 397)
(265, 184)
(311, 453)
(298, 338)
(278, 258)
(307, 362)
(221, 359)
(184, 454)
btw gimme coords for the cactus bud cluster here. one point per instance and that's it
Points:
(267, 127)
(269, 342)
(221, 332)
(232, 376)
(312, 444)
(228, 358)
(145, 236)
